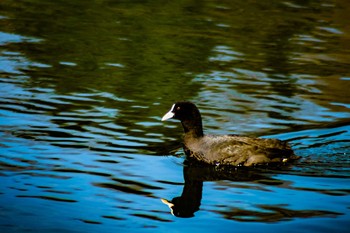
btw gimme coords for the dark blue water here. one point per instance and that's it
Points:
(83, 86)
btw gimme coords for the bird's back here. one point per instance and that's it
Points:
(238, 150)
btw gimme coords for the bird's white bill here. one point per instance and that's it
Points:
(168, 115)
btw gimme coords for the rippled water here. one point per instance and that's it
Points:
(84, 85)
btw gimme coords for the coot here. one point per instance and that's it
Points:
(226, 149)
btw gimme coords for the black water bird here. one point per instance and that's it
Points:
(226, 149)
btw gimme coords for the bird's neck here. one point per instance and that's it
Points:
(193, 128)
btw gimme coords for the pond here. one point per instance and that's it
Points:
(84, 85)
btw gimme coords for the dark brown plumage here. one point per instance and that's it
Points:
(226, 149)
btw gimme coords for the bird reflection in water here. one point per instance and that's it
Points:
(189, 202)
(194, 175)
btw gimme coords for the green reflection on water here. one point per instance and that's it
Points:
(153, 49)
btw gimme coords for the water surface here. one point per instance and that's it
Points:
(84, 85)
